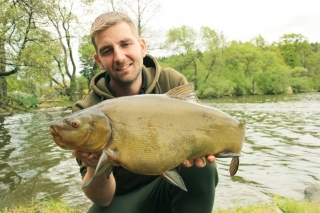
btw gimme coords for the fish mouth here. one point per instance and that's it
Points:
(54, 132)
(56, 136)
(60, 141)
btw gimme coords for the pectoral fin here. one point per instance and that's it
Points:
(102, 167)
(174, 178)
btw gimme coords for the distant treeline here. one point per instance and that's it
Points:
(39, 54)
(291, 65)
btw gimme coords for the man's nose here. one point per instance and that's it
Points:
(118, 55)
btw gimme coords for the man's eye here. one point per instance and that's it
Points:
(106, 52)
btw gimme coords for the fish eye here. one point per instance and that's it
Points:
(75, 124)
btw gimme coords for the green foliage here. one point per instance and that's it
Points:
(238, 68)
(300, 85)
(300, 80)
(86, 51)
(216, 88)
(182, 39)
(273, 81)
(295, 49)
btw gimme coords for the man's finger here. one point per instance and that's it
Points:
(200, 162)
(211, 159)
(187, 163)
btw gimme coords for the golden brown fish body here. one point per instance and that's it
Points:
(151, 134)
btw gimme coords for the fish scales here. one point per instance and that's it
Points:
(163, 128)
(151, 134)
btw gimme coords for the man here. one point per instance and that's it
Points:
(128, 70)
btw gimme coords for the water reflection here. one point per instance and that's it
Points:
(281, 153)
(31, 165)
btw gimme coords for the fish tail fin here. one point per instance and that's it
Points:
(234, 165)
(174, 178)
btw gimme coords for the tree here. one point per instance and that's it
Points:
(214, 44)
(295, 50)
(64, 23)
(37, 46)
(89, 65)
(273, 81)
(183, 40)
(142, 12)
(314, 70)
(243, 62)
(18, 30)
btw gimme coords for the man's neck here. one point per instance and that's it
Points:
(119, 91)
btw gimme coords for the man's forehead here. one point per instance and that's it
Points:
(119, 32)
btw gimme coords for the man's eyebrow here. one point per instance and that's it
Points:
(125, 40)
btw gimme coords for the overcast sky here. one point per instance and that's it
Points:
(244, 19)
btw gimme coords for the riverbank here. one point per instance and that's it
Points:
(280, 205)
(42, 105)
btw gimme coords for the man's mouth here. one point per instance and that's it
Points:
(123, 67)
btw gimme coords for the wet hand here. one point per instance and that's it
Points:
(88, 160)
(199, 162)
(91, 160)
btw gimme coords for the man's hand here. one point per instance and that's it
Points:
(88, 160)
(199, 162)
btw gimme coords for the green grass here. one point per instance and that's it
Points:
(45, 206)
(285, 205)
(280, 205)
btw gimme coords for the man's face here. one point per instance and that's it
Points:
(120, 53)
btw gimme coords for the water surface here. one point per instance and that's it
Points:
(281, 154)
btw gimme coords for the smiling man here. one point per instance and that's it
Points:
(129, 70)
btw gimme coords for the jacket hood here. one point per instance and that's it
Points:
(150, 67)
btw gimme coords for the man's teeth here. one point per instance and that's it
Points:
(123, 67)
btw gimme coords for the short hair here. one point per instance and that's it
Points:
(107, 19)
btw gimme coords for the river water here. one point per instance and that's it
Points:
(281, 154)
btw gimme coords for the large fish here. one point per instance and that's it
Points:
(152, 134)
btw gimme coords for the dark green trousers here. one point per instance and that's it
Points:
(160, 196)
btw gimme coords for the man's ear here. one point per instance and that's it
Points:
(143, 45)
(97, 59)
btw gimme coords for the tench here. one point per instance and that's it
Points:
(152, 134)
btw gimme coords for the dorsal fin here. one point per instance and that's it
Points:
(184, 92)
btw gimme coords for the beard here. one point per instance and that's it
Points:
(127, 78)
